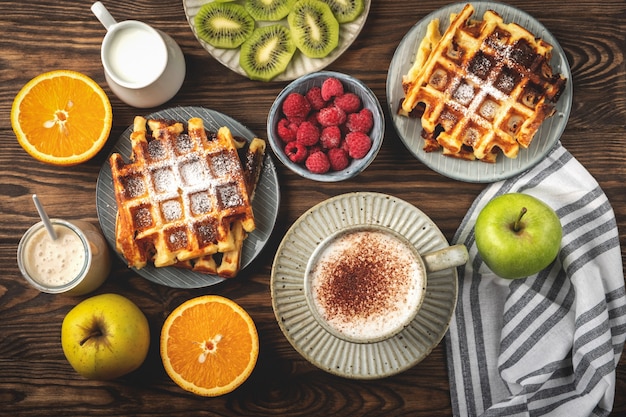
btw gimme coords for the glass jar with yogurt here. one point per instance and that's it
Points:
(76, 262)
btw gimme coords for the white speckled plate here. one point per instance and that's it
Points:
(409, 129)
(265, 203)
(300, 64)
(309, 338)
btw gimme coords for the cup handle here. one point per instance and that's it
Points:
(103, 15)
(455, 255)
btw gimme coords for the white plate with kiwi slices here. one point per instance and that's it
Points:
(295, 63)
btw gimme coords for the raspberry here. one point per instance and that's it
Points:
(338, 159)
(313, 118)
(330, 137)
(308, 134)
(315, 148)
(296, 152)
(359, 144)
(349, 102)
(331, 87)
(296, 105)
(318, 163)
(331, 116)
(314, 95)
(286, 130)
(362, 121)
(344, 145)
(296, 120)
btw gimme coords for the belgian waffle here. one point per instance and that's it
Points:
(179, 195)
(227, 264)
(482, 87)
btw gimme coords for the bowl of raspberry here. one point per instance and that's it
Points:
(326, 126)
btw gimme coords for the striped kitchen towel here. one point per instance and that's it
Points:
(546, 345)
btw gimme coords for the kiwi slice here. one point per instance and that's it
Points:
(223, 25)
(268, 10)
(314, 28)
(345, 11)
(267, 52)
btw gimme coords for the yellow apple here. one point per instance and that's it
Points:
(105, 337)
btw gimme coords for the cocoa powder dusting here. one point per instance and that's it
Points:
(368, 278)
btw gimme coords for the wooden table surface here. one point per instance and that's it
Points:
(43, 35)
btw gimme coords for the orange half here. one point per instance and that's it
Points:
(209, 345)
(62, 117)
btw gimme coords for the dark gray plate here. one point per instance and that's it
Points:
(265, 203)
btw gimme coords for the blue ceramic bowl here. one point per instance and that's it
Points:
(350, 84)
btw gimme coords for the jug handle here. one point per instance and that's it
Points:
(103, 15)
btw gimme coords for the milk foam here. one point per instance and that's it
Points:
(367, 284)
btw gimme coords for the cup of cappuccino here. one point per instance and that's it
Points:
(366, 283)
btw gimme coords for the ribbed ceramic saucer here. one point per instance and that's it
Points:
(309, 338)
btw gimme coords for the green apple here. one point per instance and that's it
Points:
(105, 336)
(517, 235)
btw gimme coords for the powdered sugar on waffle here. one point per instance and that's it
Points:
(187, 188)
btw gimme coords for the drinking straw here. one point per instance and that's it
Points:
(44, 217)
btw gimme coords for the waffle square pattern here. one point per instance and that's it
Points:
(180, 196)
(481, 88)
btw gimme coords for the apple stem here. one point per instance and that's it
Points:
(516, 225)
(95, 333)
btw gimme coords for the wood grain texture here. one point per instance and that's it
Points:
(42, 35)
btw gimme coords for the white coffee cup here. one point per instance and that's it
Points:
(143, 66)
(366, 283)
